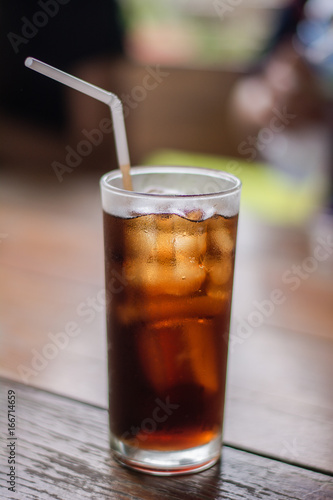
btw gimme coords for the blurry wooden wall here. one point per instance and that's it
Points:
(174, 108)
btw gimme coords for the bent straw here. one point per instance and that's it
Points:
(116, 109)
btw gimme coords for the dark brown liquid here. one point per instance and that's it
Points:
(169, 284)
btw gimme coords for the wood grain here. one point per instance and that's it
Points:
(280, 396)
(63, 453)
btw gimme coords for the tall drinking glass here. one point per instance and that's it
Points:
(169, 263)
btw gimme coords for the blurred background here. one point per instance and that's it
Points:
(241, 85)
(208, 47)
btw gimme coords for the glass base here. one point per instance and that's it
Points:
(167, 463)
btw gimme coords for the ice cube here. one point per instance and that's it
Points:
(155, 278)
(190, 240)
(188, 277)
(201, 353)
(219, 296)
(196, 214)
(139, 238)
(164, 246)
(150, 237)
(219, 269)
(179, 352)
(190, 247)
(220, 238)
(158, 350)
(161, 310)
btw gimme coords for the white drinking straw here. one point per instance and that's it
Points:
(116, 109)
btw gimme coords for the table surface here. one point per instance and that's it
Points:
(279, 407)
(62, 451)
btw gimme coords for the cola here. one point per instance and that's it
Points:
(168, 287)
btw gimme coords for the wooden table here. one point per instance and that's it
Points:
(279, 410)
(62, 452)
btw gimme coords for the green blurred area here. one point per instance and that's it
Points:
(274, 196)
(236, 36)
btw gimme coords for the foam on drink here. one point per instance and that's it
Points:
(172, 192)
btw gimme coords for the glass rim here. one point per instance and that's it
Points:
(167, 169)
